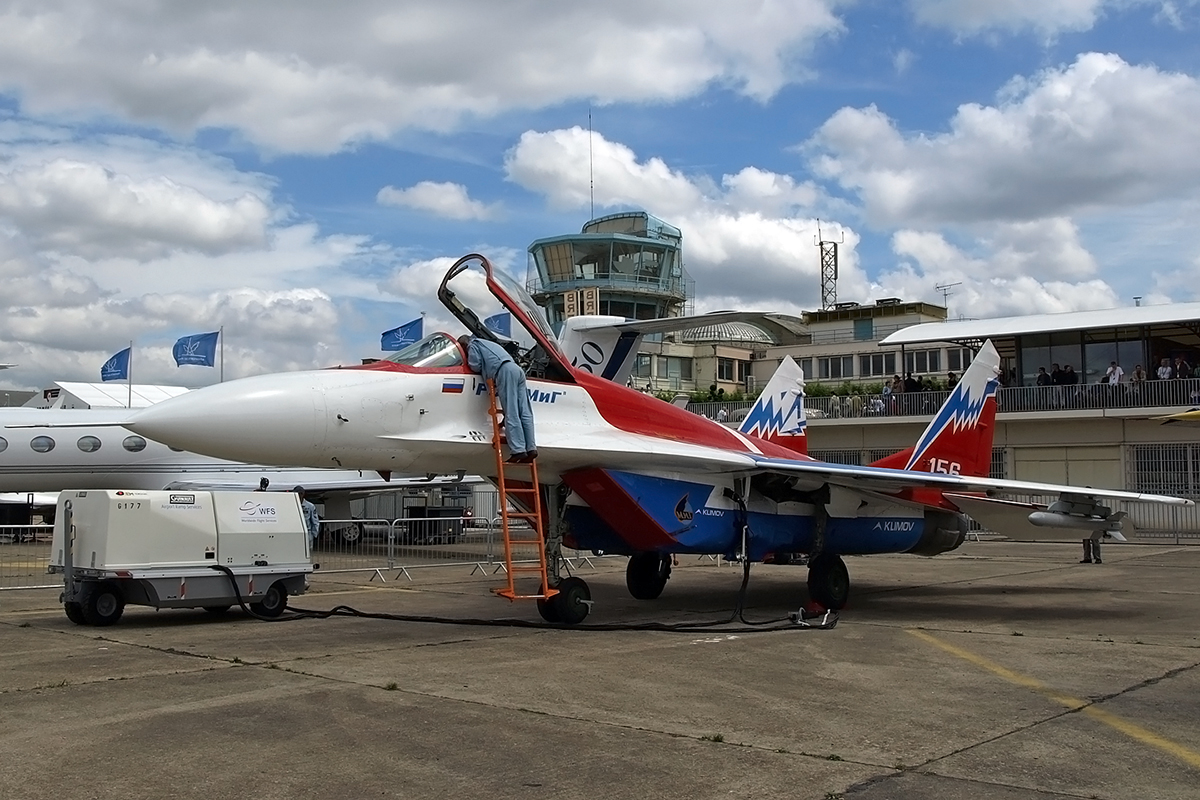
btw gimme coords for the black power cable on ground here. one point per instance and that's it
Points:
(792, 622)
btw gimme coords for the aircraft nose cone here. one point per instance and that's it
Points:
(267, 419)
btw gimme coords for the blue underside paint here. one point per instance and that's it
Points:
(679, 507)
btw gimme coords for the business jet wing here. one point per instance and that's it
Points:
(316, 484)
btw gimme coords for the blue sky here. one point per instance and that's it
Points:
(302, 174)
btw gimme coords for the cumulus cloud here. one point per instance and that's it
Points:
(315, 77)
(450, 200)
(1021, 268)
(1044, 16)
(120, 238)
(744, 237)
(86, 209)
(1097, 134)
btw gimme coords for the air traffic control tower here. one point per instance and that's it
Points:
(627, 265)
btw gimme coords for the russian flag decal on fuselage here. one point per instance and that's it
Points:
(453, 385)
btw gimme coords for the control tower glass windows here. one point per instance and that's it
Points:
(558, 263)
(592, 260)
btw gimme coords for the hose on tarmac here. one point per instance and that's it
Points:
(792, 622)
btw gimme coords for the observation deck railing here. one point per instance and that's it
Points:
(1182, 393)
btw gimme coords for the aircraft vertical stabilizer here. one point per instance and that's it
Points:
(958, 439)
(778, 414)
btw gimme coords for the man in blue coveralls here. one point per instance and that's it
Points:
(494, 363)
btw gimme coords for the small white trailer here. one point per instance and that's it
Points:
(178, 550)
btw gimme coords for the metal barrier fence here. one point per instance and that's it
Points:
(381, 546)
(396, 547)
(1090, 396)
(24, 557)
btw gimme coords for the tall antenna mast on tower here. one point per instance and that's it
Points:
(591, 171)
(829, 268)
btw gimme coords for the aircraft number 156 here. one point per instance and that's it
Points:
(944, 466)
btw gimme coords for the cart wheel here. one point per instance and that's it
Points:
(102, 604)
(273, 602)
(216, 611)
(75, 613)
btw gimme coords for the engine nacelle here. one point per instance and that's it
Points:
(944, 531)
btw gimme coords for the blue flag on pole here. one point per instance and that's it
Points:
(500, 323)
(406, 334)
(199, 349)
(117, 367)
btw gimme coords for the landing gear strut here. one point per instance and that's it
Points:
(646, 574)
(828, 581)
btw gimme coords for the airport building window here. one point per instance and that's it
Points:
(88, 444)
(134, 444)
(641, 365)
(675, 367)
(923, 361)
(958, 358)
(876, 364)
(836, 367)
(725, 367)
(41, 444)
(3, 444)
(806, 367)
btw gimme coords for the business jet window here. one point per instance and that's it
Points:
(134, 444)
(88, 444)
(3, 444)
(435, 350)
(41, 444)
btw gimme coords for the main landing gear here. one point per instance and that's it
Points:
(646, 574)
(828, 581)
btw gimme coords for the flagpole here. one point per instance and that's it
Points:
(129, 376)
(221, 339)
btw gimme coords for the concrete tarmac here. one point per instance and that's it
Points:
(998, 671)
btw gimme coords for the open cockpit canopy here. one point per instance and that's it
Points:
(473, 285)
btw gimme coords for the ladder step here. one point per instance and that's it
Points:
(512, 595)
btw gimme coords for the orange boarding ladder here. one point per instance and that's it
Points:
(521, 482)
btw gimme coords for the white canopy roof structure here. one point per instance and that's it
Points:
(977, 330)
(70, 394)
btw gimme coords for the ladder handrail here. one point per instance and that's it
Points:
(534, 515)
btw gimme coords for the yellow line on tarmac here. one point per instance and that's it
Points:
(1130, 729)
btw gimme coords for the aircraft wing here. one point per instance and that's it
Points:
(317, 486)
(880, 479)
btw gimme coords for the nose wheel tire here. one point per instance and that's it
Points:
(829, 581)
(273, 602)
(102, 604)
(570, 606)
(646, 575)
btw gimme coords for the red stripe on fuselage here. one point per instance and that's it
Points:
(618, 509)
(633, 412)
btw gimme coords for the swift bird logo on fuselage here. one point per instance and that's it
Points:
(683, 510)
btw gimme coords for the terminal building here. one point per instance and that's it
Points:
(1087, 433)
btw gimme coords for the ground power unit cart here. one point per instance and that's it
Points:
(178, 550)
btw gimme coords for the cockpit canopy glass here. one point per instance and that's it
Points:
(435, 350)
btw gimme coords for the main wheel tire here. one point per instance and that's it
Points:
(829, 581)
(102, 604)
(646, 575)
(75, 613)
(573, 601)
(273, 602)
(349, 535)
